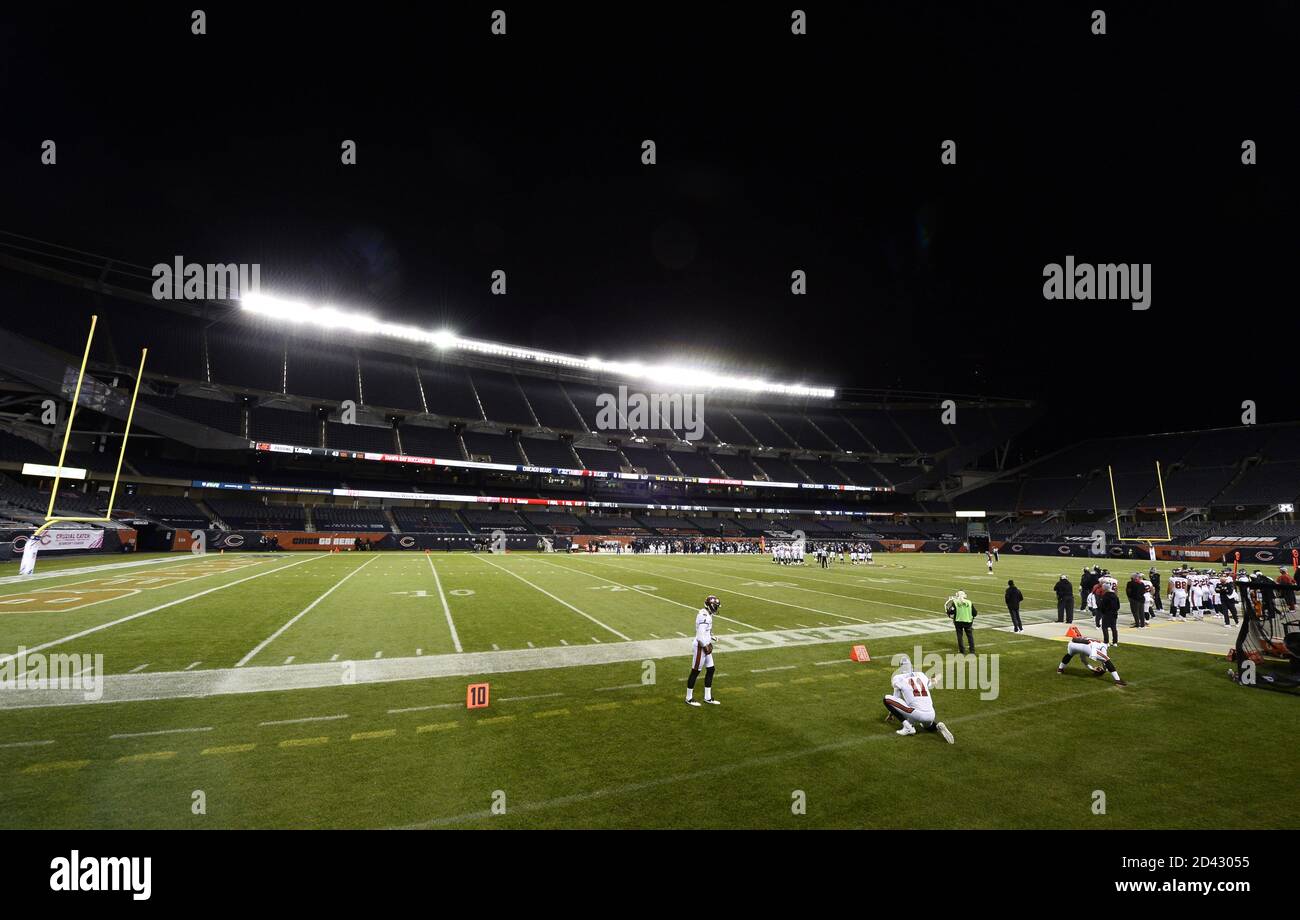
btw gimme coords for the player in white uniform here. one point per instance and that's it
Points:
(702, 652)
(28, 565)
(1178, 587)
(911, 702)
(870, 561)
(1090, 650)
(1148, 600)
(988, 557)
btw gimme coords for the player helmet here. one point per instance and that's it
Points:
(712, 603)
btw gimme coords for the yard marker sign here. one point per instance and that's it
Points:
(476, 696)
(859, 654)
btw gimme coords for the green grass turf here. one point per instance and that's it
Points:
(568, 751)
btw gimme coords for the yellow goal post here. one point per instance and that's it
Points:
(50, 518)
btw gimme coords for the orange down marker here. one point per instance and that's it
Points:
(859, 653)
(476, 696)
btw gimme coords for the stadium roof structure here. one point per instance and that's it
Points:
(119, 278)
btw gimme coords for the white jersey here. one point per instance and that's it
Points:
(913, 688)
(704, 627)
(1090, 648)
(28, 565)
(703, 640)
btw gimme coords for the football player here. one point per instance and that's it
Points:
(912, 703)
(1090, 650)
(1178, 589)
(702, 652)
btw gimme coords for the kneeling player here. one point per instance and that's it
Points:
(912, 704)
(702, 652)
(1090, 650)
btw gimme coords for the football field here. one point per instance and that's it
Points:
(328, 690)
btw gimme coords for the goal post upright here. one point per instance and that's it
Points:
(1164, 510)
(50, 518)
(72, 411)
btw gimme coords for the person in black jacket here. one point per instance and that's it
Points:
(1136, 592)
(1085, 585)
(1014, 598)
(1155, 583)
(1064, 600)
(1108, 612)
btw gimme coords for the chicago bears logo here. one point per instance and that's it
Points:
(406, 542)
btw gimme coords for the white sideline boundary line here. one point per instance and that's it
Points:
(556, 599)
(306, 610)
(455, 639)
(181, 600)
(258, 679)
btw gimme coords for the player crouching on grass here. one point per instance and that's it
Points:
(912, 704)
(1090, 650)
(702, 652)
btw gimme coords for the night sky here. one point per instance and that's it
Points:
(775, 153)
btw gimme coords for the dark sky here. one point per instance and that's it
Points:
(775, 153)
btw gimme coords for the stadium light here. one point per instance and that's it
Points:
(673, 375)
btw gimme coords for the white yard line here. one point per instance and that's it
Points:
(18, 744)
(847, 597)
(180, 600)
(756, 597)
(933, 578)
(165, 731)
(446, 610)
(61, 573)
(556, 599)
(306, 719)
(518, 699)
(668, 600)
(140, 667)
(306, 610)
(426, 708)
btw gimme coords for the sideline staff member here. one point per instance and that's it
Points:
(962, 613)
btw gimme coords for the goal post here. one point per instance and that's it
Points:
(1164, 510)
(50, 518)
